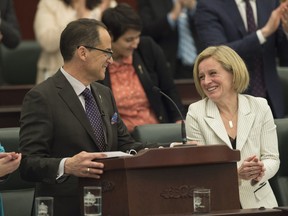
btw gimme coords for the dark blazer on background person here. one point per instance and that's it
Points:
(9, 29)
(9, 26)
(150, 67)
(155, 24)
(59, 128)
(219, 22)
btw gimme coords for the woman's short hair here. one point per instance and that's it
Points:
(90, 4)
(120, 19)
(230, 61)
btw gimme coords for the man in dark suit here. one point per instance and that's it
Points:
(57, 141)
(161, 21)
(224, 22)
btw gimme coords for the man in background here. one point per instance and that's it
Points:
(171, 24)
(253, 29)
(10, 36)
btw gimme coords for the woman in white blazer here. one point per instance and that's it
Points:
(243, 122)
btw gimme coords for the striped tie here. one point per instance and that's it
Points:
(187, 51)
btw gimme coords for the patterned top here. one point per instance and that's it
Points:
(129, 94)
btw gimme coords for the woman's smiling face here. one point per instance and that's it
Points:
(215, 81)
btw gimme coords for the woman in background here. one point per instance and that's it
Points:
(139, 65)
(51, 18)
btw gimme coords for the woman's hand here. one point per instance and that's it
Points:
(251, 169)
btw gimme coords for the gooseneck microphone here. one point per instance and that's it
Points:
(183, 129)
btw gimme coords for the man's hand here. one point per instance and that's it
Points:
(82, 165)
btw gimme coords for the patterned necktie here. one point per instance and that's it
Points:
(187, 51)
(257, 79)
(94, 117)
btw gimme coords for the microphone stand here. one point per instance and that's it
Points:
(183, 129)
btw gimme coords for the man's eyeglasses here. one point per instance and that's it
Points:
(109, 53)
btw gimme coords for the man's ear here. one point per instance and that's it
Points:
(82, 52)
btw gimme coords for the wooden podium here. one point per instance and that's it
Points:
(161, 181)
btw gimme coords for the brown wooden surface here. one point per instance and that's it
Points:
(25, 12)
(9, 116)
(237, 212)
(11, 98)
(161, 181)
(187, 91)
(13, 95)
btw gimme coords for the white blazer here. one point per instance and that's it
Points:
(256, 135)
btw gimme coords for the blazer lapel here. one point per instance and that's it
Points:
(214, 121)
(233, 12)
(263, 12)
(245, 121)
(68, 95)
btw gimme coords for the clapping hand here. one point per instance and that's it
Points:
(251, 169)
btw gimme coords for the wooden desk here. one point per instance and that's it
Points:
(187, 91)
(161, 181)
(237, 212)
(12, 95)
(9, 116)
(11, 98)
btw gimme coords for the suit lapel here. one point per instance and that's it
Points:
(234, 14)
(245, 121)
(214, 121)
(69, 97)
(263, 12)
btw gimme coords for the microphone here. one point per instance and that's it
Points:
(183, 129)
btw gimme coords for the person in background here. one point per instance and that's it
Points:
(69, 119)
(253, 29)
(171, 24)
(227, 116)
(139, 65)
(51, 18)
(9, 162)
(10, 35)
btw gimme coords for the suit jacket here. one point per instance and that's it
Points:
(256, 135)
(54, 125)
(219, 22)
(149, 64)
(9, 27)
(155, 24)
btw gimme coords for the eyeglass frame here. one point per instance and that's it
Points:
(108, 52)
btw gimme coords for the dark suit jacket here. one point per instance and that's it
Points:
(9, 25)
(149, 63)
(219, 22)
(155, 24)
(54, 125)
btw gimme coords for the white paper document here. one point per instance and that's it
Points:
(116, 154)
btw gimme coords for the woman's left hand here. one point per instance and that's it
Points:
(251, 168)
